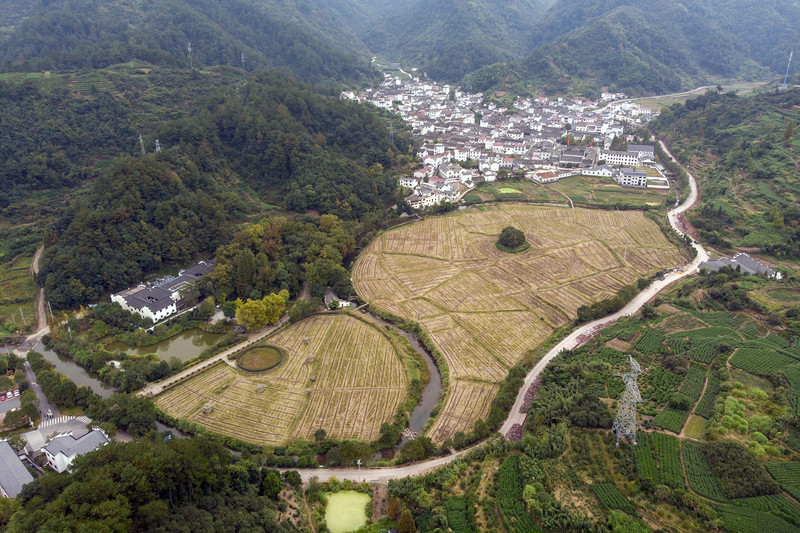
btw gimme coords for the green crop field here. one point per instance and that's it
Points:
(788, 477)
(701, 478)
(611, 498)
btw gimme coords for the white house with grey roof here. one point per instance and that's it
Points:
(63, 449)
(160, 299)
(13, 474)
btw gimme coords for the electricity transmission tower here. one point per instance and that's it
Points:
(625, 421)
(191, 62)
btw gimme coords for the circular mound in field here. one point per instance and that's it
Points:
(260, 358)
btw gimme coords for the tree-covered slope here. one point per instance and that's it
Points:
(274, 140)
(451, 38)
(644, 47)
(746, 151)
(70, 34)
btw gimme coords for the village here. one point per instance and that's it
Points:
(466, 140)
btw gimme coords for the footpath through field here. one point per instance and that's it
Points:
(575, 339)
(152, 389)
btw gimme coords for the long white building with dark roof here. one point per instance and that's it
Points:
(160, 299)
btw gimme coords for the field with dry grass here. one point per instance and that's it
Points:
(355, 374)
(484, 308)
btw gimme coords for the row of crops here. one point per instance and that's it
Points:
(658, 458)
(788, 477)
(509, 498)
(611, 498)
(674, 416)
(701, 478)
(792, 375)
(650, 341)
(706, 406)
(749, 520)
(458, 514)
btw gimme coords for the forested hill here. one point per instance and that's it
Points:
(643, 47)
(274, 140)
(70, 34)
(451, 38)
(746, 151)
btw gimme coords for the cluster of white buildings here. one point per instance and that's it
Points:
(459, 129)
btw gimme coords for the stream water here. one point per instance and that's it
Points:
(184, 346)
(433, 390)
(75, 373)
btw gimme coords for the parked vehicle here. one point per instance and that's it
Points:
(9, 395)
(16, 392)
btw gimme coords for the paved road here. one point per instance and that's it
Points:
(44, 405)
(152, 389)
(576, 338)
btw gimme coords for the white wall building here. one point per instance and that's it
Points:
(63, 449)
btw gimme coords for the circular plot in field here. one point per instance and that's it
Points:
(260, 358)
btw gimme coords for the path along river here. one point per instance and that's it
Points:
(575, 339)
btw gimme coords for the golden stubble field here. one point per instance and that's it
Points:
(359, 380)
(483, 308)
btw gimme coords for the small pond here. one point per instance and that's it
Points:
(184, 346)
(346, 510)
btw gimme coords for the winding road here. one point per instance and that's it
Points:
(42, 328)
(572, 341)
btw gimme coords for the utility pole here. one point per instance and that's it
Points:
(23, 316)
(53, 320)
(786, 77)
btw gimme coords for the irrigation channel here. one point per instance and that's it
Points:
(430, 396)
(579, 336)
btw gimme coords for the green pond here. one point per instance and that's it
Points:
(184, 346)
(346, 510)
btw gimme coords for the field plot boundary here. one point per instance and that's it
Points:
(484, 309)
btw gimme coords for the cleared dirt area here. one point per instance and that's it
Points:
(484, 308)
(340, 374)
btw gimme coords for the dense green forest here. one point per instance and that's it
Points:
(70, 34)
(178, 485)
(647, 48)
(274, 138)
(746, 152)
(448, 39)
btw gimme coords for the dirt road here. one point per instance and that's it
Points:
(152, 389)
(42, 328)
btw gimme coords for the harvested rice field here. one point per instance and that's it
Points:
(340, 373)
(484, 308)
